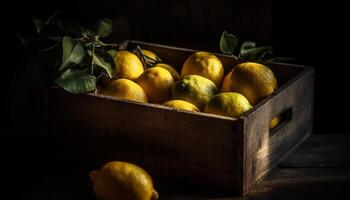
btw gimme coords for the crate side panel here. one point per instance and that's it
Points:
(168, 143)
(264, 151)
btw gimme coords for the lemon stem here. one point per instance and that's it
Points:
(96, 40)
(92, 59)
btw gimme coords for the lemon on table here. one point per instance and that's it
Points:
(255, 81)
(172, 70)
(182, 105)
(275, 121)
(156, 82)
(225, 86)
(121, 180)
(204, 64)
(125, 89)
(151, 55)
(128, 65)
(229, 104)
(194, 89)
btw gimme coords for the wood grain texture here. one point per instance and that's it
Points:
(264, 151)
(214, 151)
(166, 142)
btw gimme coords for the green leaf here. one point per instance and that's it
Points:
(228, 43)
(247, 46)
(102, 27)
(76, 81)
(73, 52)
(39, 25)
(257, 53)
(112, 52)
(103, 59)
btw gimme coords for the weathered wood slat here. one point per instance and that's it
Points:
(264, 151)
(166, 142)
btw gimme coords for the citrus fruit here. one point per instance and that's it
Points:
(229, 104)
(255, 81)
(275, 121)
(125, 89)
(128, 65)
(156, 82)
(172, 70)
(182, 105)
(122, 180)
(194, 89)
(204, 64)
(225, 86)
(151, 55)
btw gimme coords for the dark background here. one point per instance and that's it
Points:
(314, 34)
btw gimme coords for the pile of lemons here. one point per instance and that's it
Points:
(201, 85)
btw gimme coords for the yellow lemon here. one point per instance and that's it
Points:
(125, 89)
(128, 65)
(275, 121)
(172, 70)
(182, 105)
(255, 81)
(225, 86)
(204, 64)
(194, 89)
(229, 104)
(124, 181)
(156, 82)
(151, 55)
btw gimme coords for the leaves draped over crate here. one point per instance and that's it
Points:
(85, 57)
(229, 45)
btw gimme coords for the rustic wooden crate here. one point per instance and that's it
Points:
(205, 149)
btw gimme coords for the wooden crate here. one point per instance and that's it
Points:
(204, 149)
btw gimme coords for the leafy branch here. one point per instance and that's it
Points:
(229, 45)
(147, 62)
(84, 56)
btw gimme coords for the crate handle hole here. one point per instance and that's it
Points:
(281, 120)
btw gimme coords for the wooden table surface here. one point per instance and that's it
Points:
(319, 169)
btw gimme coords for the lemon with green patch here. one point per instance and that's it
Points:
(194, 89)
